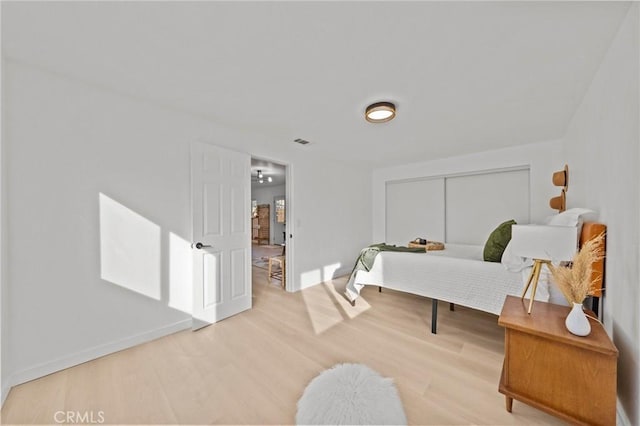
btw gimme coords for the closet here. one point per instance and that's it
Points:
(458, 208)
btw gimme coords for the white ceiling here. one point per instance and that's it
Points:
(466, 76)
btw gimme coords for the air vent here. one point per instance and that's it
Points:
(301, 141)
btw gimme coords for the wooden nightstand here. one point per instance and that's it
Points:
(547, 367)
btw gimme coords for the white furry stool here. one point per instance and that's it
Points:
(350, 394)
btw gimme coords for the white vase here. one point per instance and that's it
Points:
(577, 322)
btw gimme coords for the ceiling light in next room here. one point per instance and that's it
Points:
(380, 112)
(261, 177)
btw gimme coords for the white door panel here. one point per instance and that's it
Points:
(221, 210)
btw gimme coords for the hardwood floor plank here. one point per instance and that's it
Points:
(252, 368)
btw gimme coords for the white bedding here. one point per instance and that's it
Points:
(457, 275)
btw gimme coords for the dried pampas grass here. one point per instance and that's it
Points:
(576, 281)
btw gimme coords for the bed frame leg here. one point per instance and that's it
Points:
(452, 307)
(434, 315)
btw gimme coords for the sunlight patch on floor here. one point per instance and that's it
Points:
(336, 291)
(326, 303)
(321, 309)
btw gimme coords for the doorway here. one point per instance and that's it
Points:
(269, 205)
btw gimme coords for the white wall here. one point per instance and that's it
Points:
(4, 311)
(67, 142)
(266, 195)
(4, 386)
(338, 220)
(4, 390)
(602, 152)
(542, 159)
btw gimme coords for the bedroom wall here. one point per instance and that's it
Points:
(4, 336)
(3, 390)
(266, 195)
(68, 142)
(542, 159)
(602, 151)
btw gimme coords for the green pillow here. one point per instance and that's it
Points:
(497, 241)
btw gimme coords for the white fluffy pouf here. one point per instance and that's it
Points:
(350, 394)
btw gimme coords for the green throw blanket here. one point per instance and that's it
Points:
(368, 255)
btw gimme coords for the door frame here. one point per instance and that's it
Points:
(289, 215)
(289, 253)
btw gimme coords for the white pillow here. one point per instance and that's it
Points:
(513, 262)
(571, 217)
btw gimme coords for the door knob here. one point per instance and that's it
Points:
(199, 245)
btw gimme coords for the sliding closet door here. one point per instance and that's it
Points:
(414, 209)
(477, 203)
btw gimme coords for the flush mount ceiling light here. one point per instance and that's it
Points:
(380, 112)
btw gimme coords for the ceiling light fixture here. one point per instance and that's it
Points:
(380, 112)
(261, 177)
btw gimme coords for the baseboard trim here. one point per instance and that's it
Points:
(621, 415)
(86, 355)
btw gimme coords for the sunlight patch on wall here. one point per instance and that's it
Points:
(180, 274)
(310, 278)
(329, 270)
(129, 249)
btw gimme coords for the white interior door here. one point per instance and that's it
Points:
(220, 197)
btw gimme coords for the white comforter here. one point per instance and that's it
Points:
(457, 275)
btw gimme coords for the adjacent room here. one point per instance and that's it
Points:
(292, 212)
(268, 218)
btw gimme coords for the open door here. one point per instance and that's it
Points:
(220, 198)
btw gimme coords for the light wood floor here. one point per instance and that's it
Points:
(253, 367)
(258, 251)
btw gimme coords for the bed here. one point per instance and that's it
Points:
(457, 275)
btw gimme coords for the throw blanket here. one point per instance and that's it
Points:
(368, 256)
